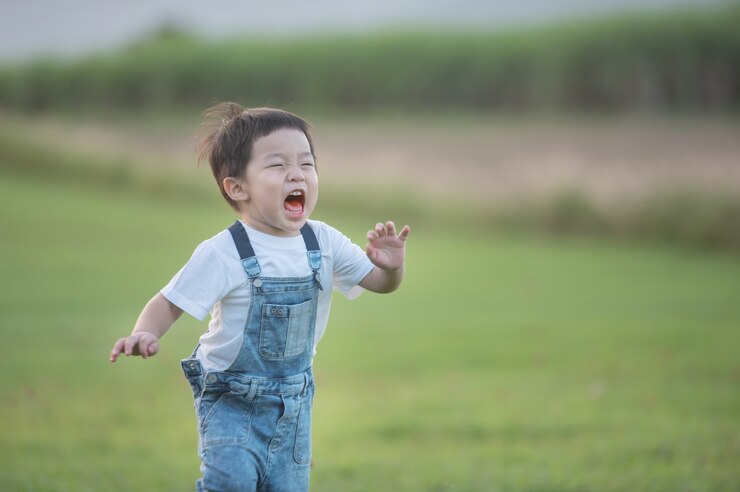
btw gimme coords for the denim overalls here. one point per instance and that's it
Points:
(255, 418)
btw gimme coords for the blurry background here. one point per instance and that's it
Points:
(571, 171)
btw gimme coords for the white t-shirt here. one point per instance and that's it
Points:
(214, 281)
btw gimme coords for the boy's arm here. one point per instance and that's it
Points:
(154, 321)
(387, 252)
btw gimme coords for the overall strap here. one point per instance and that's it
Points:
(312, 244)
(244, 247)
(313, 251)
(249, 258)
(312, 247)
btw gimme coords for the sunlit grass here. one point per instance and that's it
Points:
(503, 363)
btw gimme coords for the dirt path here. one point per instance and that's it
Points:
(491, 159)
(498, 160)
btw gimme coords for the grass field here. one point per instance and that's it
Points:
(504, 363)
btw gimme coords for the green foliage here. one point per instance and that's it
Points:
(667, 61)
(689, 217)
(502, 363)
(20, 155)
(699, 218)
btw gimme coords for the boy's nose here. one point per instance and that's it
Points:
(295, 174)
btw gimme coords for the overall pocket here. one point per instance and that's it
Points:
(284, 330)
(225, 418)
(302, 448)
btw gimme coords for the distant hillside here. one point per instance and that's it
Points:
(81, 27)
(687, 60)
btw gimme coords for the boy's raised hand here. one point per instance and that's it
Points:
(386, 249)
(143, 343)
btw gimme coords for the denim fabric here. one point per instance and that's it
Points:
(254, 419)
(253, 433)
(279, 332)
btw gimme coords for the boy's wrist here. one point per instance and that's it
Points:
(144, 332)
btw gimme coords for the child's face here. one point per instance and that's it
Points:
(281, 183)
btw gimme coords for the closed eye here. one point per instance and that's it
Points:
(310, 164)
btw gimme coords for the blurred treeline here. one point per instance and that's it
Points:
(686, 60)
(680, 60)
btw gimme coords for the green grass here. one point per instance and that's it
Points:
(503, 363)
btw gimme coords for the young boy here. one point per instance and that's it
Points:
(266, 282)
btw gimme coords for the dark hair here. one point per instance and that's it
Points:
(229, 131)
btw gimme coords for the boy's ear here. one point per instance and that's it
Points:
(235, 188)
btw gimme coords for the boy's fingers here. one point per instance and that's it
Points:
(131, 342)
(118, 346)
(116, 349)
(391, 228)
(380, 229)
(144, 347)
(404, 233)
(153, 348)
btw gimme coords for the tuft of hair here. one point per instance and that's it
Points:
(228, 132)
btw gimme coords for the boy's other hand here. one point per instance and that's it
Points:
(143, 343)
(386, 249)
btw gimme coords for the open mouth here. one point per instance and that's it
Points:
(295, 202)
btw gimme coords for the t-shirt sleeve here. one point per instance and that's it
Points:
(351, 264)
(201, 283)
